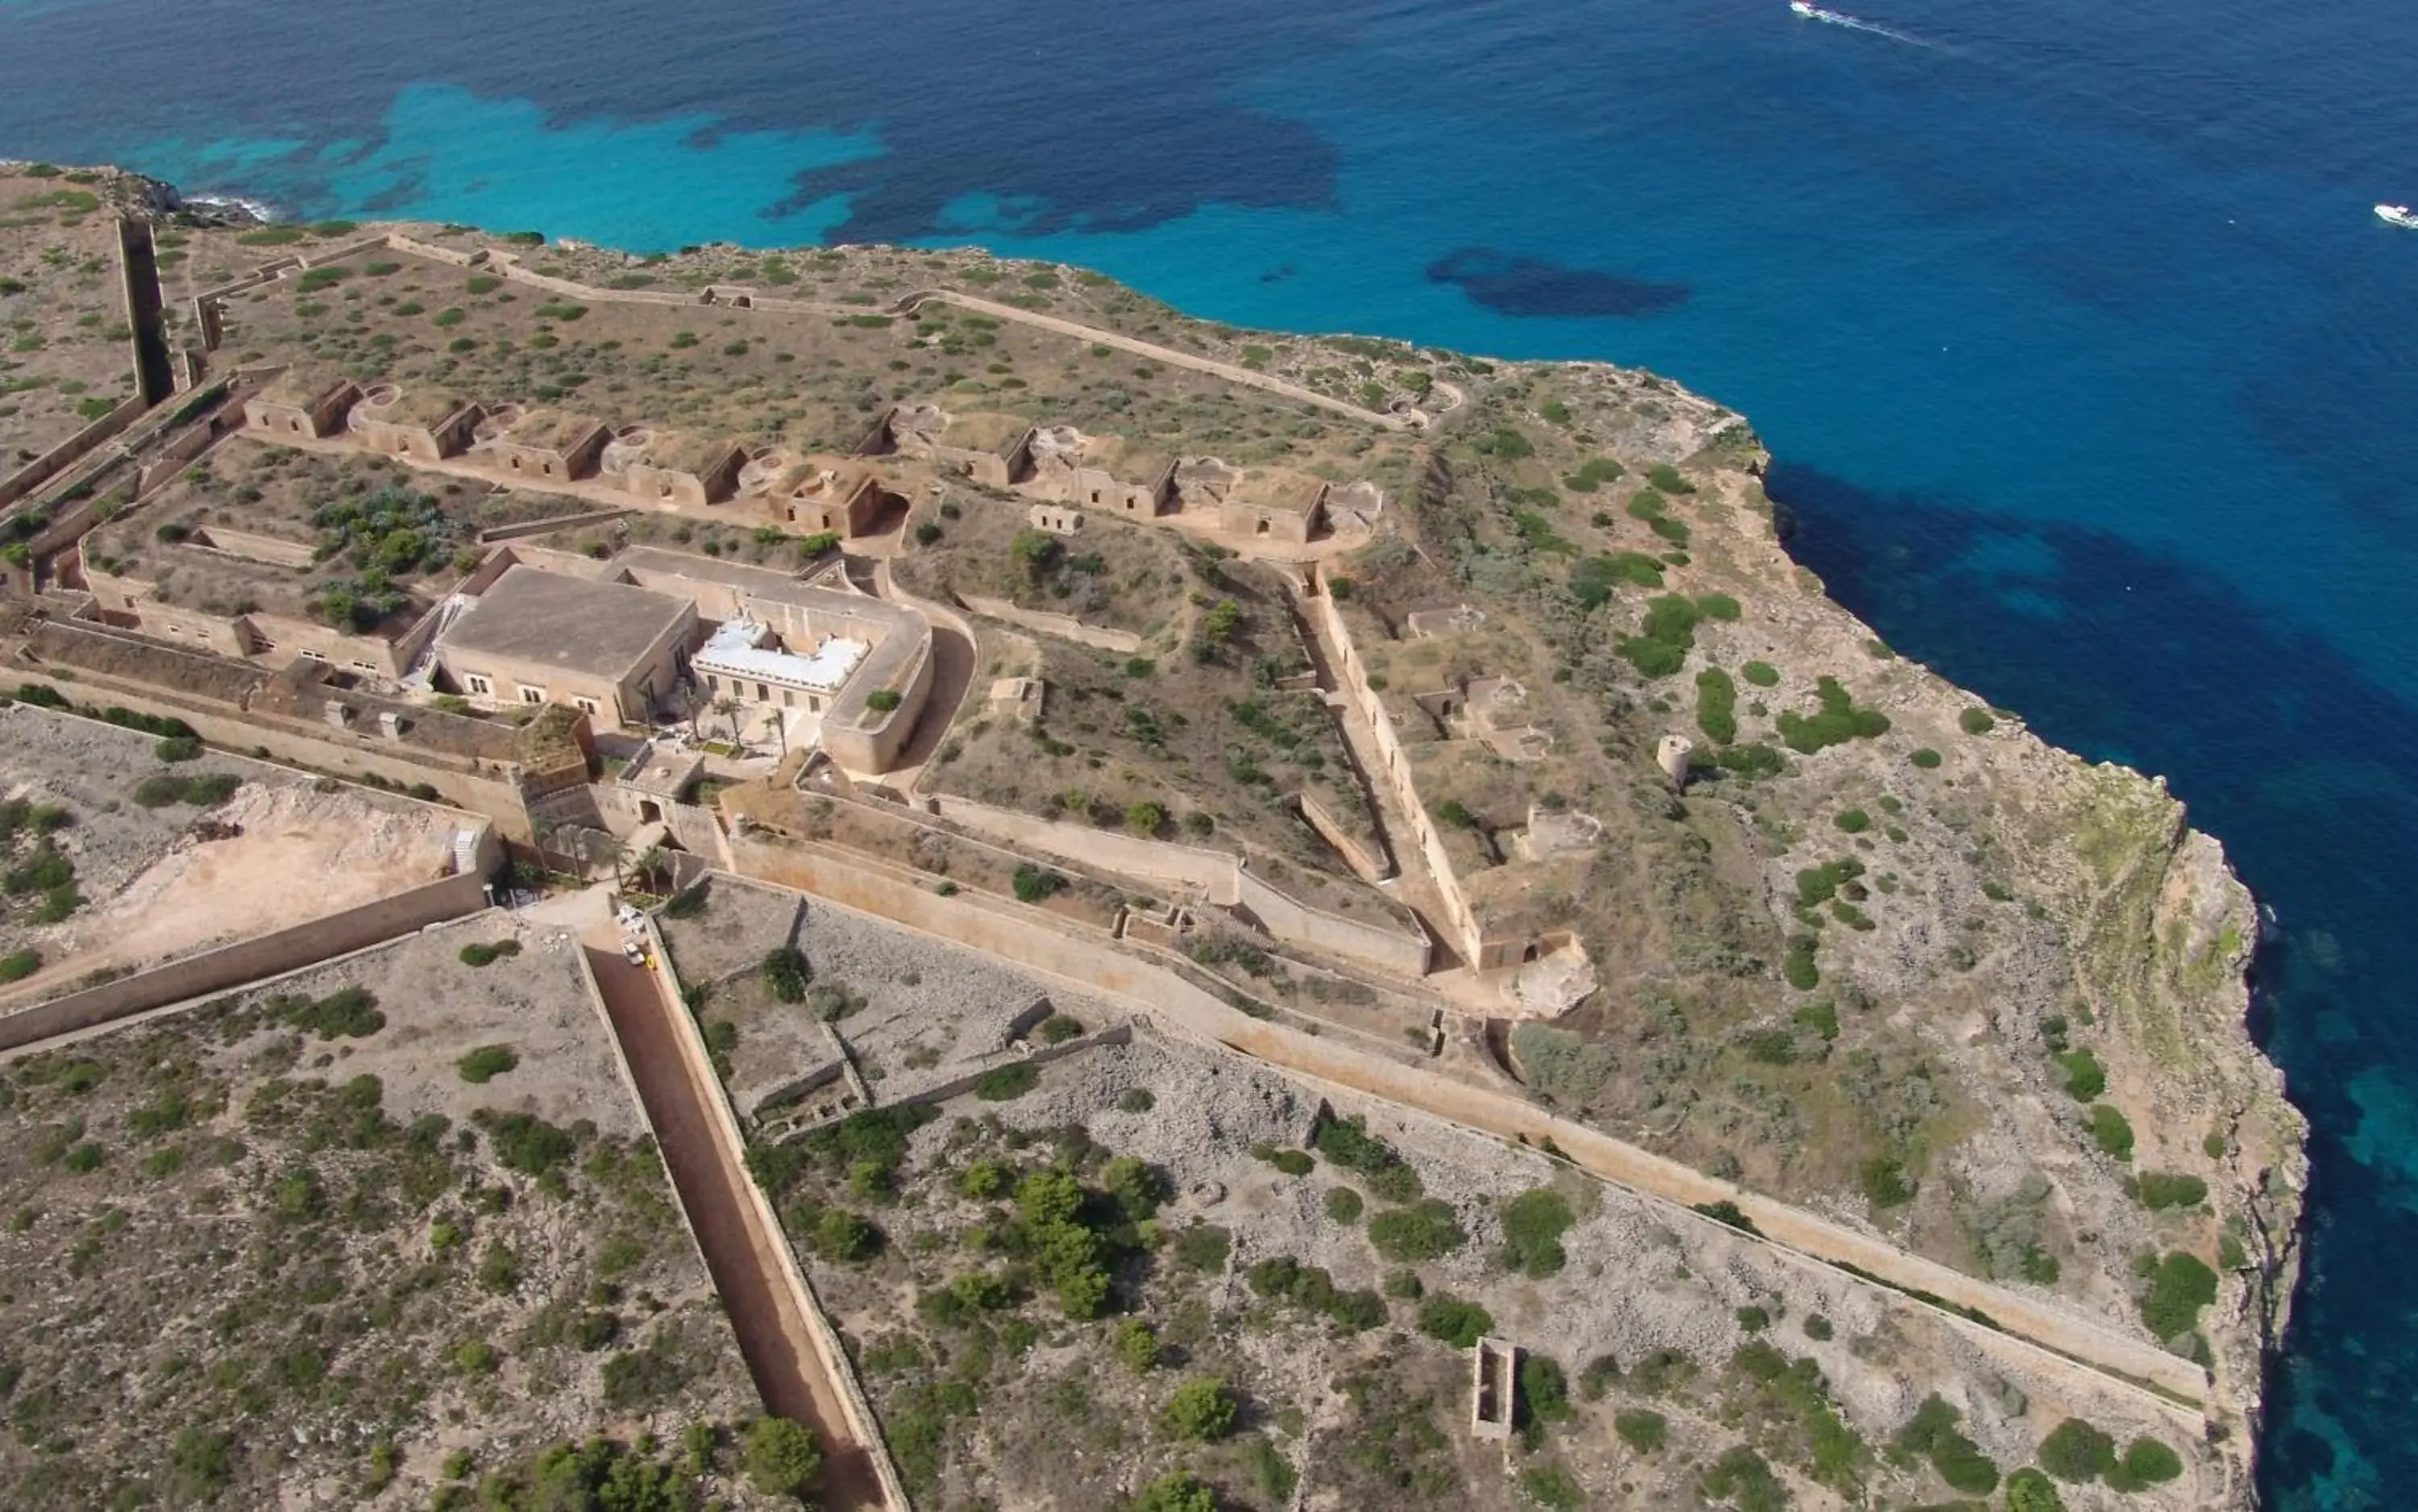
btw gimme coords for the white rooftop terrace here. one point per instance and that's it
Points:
(748, 648)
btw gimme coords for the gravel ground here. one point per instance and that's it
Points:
(438, 1010)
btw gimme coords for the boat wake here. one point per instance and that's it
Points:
(1856, 23)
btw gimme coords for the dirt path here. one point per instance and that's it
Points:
(1232, 373)
(773, 1335)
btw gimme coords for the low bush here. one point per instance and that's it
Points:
(1342, 1203)
(1533, 1225)
(487, 954)
(1932, 1434)
(2146, 1462)
(1975, 722)
(1424, 1231)
(1591, 581)
(2085, 1078)
(781, 1458)
(1836, 721)
(1009, 1082)
(2111, 1130)
(1717, 705)
(1761, 673)
(487, 1062)
(20, 964)
(2075, 1451)
(1202, 1410)
(786, 974)
(2171, 1189)
(1927, 759)
(1853, 820)
(1642, 1429)
(2179, 1287)
(1458, 1323)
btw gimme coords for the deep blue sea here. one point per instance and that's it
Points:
(2089, 376)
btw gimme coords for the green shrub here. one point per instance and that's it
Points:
(1926, 759)
(1202, 1410)
(20, 964)
(1836, 721)
(1761, 673)
(2179, 1287)
(1424, 1231)
(1975, 722)
(2171, 1189)
(489, 953)
(1006, 1083)
(1203, 1248)
(841, 1235)
(1347, 1144)
(177, 748)
(1884, 1181)
(2028, 1490)
(1292, 1162)
(1457, 1322)
(1033, 884)
(1669, 478)
(1932, 1434)
(2112, 1133)
(1642, 1429)
(526, 1143)
(1178, 1490)
(1745, 1476)
(2146, 1462)
(1533, 1225)
(1797, 966)
(1342, 1204)
(487, 1062)
(2085, 1078)
(1717, 705)
(781, 1458)
(786, 974)
(1592, 580)
(1564, 1066)
(1592, 474)
(2077, 1451)
(1553, 1487)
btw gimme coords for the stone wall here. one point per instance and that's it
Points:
(1063, 626)
(481, 787)
(1221, 878)
(263, 955)
(34, 474)
(833, 1357)
(1394, 767)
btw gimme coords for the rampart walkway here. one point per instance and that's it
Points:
(708, 1172)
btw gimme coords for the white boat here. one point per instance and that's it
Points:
(2397, 215)
(1804, 7)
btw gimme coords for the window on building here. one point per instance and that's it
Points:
(587, 706)
(789, 699)
(315, 656)
(477, 685)
(533, 696)
(712, 683)
(365, 667)
(763, 694)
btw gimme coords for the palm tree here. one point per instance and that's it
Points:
(728, 709)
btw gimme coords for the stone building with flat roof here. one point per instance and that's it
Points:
(675, 468)
(990, 449)
(541, 444)
(306, 400)
(1277, 503)
(417, 425)
(826, 493)
(612, 651)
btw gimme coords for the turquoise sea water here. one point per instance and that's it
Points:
(2089, 376)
